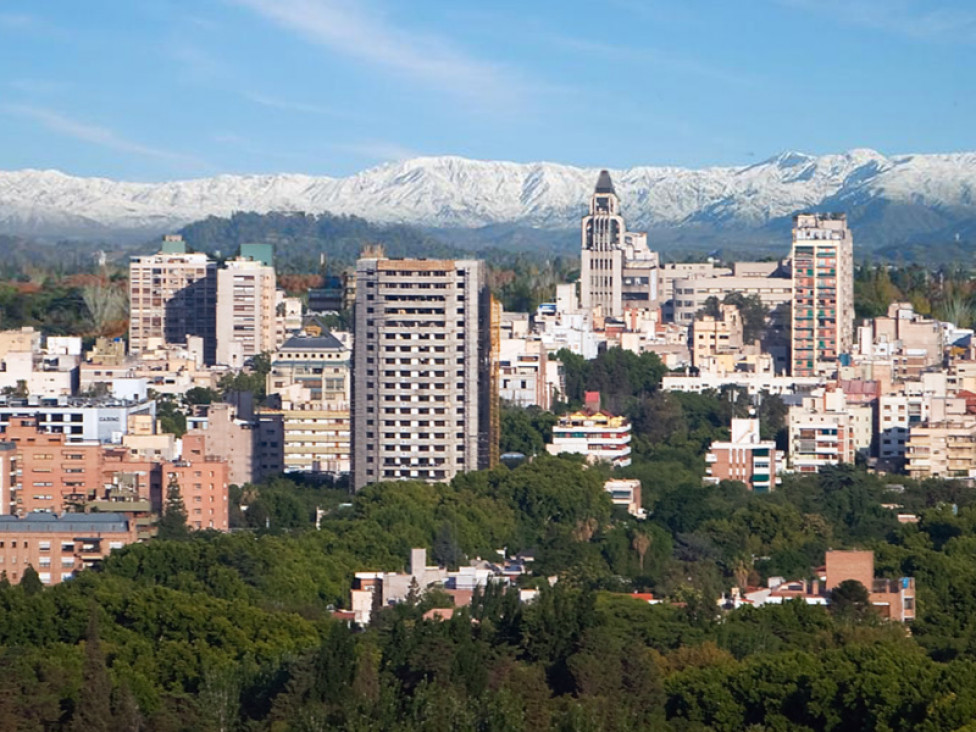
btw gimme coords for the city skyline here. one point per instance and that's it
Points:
(154, 92)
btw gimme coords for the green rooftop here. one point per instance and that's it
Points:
(263, 253)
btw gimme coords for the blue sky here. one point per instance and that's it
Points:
(164, 89)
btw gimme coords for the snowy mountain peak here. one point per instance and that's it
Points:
(451, 191)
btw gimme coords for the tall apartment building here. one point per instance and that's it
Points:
(423, 370)
(823, 293)
(246, 306)
(618, 270)
(172, 295)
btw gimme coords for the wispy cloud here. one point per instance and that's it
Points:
(289, 106)
(909, 18)
(198, 63)
(18, 20)
(653, 57)
(96, 135)
(359, 31)
(30, 23)
(37, 86)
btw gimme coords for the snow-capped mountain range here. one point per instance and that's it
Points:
(457, 192)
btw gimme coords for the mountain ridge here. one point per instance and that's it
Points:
(456, 192)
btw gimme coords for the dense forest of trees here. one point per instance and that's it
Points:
(234, 631)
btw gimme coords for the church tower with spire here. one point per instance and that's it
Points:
(618, 269)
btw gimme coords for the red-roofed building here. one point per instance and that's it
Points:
(439, 613)
(894, 599)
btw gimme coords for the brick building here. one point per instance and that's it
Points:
(746, 458)
(57, 547)
(54, 476)
(53, 473)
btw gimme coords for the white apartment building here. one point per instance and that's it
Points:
(246, 309)
(691, 293)
(670, 273)
(753, 383)
(824, 430)
(104, 420)
(172, 295)
(897, 414)
(424, 370)
(524, 373)
(626, 493)
(597, 435)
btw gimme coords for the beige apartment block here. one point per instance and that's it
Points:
(942, 450)
(690, 294)
(910, 341)
(310, 383)
(233, 437)
(172, 295)
(424, 370)
(712, 336)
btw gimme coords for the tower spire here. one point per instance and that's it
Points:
(604, 184)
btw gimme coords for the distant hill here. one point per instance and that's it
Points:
(890, 200)
(300, 239)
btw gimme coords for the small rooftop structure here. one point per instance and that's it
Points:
(325, 341)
